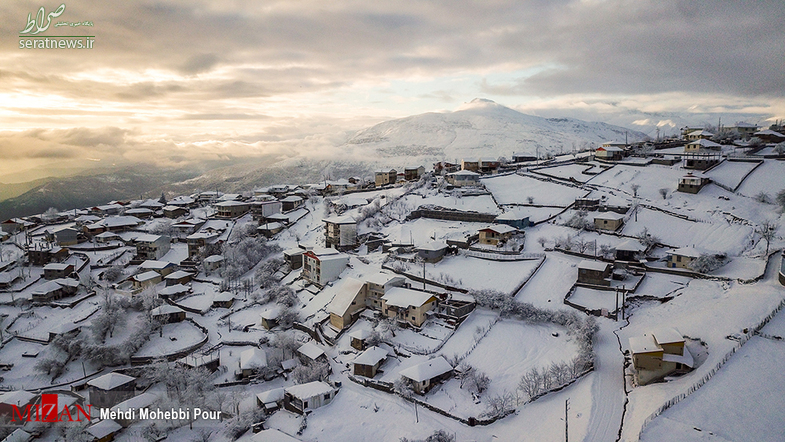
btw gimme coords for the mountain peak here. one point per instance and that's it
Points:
(480, 103)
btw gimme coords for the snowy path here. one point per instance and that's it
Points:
(607, 387)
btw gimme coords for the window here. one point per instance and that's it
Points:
(305, 404)
(678, 259)
(327, 396)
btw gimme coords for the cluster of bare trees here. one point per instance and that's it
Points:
(436, 436)
(475, 381)
(242, 256)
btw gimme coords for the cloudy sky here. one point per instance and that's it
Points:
(177, 81)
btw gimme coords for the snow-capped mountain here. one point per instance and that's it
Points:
(482, 128)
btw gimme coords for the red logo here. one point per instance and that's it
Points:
(48, 411)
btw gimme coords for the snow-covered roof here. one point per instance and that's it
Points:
(274, 395)
(644, 344)
(57, 266)
(155, 265)
(271, 312)
(230, 204)
(371, 356)
(309, 390)
(292, 199)
(433, 246)
(166, 309)
(609, 216)
(700, 132)
(610, 148)
(345, 292)
(631, 246)
(593, 265)
(685, 359)
(402, 297)
(143, 400)
(118, 221)
(704, 143)
(310, 350)
(214, 258)
(290, 363)
(360, 333)
(147, 276)
(511, 216)
(223, 297)
(173, 290)
(178, 275)
(18, 397)
(47, 287)
(139, 211)
(500, 229)
(692, 252)
(106, 235)
(343, 219)
(104, 428)
(146, 237)
(110, 381)
(667, 335)
(463, 173)
(427, 370)
(382, 278)
(769, 132)
(253, 358)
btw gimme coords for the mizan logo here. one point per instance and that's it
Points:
(48, 411)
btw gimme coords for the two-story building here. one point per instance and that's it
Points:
(659, 354)
(407, 305)
(340, 232)
(152, 247)
(594, 272)
(321, 266)
(385, 176)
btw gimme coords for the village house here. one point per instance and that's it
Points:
(359, 337)
(497, 234)
(611, 221)
(692, 182)
(348, 302)
(231, 209)
(107, 209)
(269, 316)
(701, 145)
(114, 224)
(746, 130)
(107, 237)
(163, 268)
(432, 251)
(521, 157)
(110, 389)
(18, 398)
(183, 201)
(146, 279)
(594, 273)
(701, 160)
(684, 256)
(223, 300)
(40, 254)
(187, 227)
(140, 212)
(659, 354)
(610, 151)
(294, 258)
(14, 225)
(413, 173)
(770, 136)
(251, 360)
(178, 277)
(264, 208)
(426, 375)
(589, 204)
(385, 176)
(150, 246)
(311, 353)
(369, 361)
(379, 284)
(213, 263)
(198, 240)
(55, 289)
(698, 135)
(471, 166)
(104, 430)
(270, 401)
(340, 232)
(463, 178)
(488, 165)
(173, 291)
(207, 197)
(174, 212)
(291, 202)
(443, 167)
(57, 270)
(306, 397)
(629, 250)
(321, 266)
(144, 400)
(513, 218)
(167, 313)
(62, 236)
(407, 305)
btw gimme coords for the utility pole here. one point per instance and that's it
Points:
(617, 304)
(423, 275)
(566, 423)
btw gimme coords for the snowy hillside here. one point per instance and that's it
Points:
(482, 128)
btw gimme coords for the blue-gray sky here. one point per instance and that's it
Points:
(180, 80)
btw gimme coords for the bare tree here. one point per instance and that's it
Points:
(664, 192)
(781, 199)
(767, 231)
(635, 188)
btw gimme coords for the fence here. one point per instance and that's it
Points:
(743, 340)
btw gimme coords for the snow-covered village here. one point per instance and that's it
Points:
(630, 291)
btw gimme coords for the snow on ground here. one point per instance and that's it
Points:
(510, 349)
(199, 301)
(705, 310)
(569, 171)
(516, 189)
(730, 173)
(175, 337)
(474, 273)
(546, 289)
(480, 203)
(424, 230)
(595, 299)
(768, 178)
(745, 400)
(661, 284)
(459, 343)
(741, 267)
(433, 334)
(719, 236)
(650, 179)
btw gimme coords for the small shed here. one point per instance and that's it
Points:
(223, 300)
(629, 250)
(312, 352)
(104, 431)
(305, 397)
(110, 389)
(608, 221)
(432, 251)
(251, 360)
(359, 337)
(594, 272)
(167, 313)
(369, 361)
(427, 374)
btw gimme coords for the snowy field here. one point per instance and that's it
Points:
(650, 179)
(425, 230)
(569, 171)
(717, 236)
(595, 299)
(730, 173)
(480, 203)
(474, 273)
(516, 189)
(744, 401)
(768, 178)
(546, 289)
(510, 349)
(175, 337)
